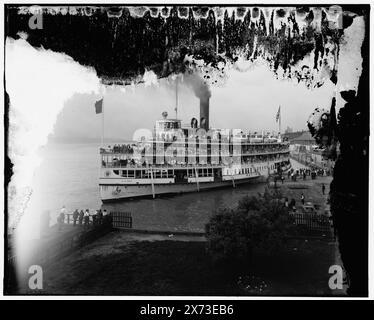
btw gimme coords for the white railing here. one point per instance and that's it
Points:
(188, 165)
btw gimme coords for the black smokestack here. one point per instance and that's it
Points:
(204, 113)
(202, 91)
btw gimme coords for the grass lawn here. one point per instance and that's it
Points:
(171, 267)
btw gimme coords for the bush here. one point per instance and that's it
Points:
(257, 222)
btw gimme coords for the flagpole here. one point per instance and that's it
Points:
(176, 98)
(102, 125)
(279, 119)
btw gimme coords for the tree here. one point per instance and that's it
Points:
(257, 222)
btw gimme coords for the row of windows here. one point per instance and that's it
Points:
(201, 172)
(139, 174)
(250, 170)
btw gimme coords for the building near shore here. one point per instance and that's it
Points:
(304, 149)
(303, 141)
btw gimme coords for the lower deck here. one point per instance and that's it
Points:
(138, 182)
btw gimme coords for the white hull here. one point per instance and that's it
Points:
(114, 187)
(116, 192)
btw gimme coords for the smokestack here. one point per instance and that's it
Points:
(202, 91)
(204, 112)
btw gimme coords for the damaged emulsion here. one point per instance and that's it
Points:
(122, 42)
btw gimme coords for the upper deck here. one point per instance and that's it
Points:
(138, 155)
(174, 144)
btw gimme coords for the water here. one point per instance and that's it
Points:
(69, 176)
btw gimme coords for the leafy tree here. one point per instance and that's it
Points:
(257, 222)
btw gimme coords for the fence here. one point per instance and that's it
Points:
(93, 219)
(121, 219)
(312, 223)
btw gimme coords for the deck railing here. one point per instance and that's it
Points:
(281, 150)
(184, 166)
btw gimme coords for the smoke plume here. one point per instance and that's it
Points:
(199, 86)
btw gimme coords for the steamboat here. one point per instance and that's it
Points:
(178, 158)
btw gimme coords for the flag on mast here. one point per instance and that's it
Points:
(99, 109)
(278, 114)
(99, 106)
(278, 118)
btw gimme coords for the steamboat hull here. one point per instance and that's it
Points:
(126, 191)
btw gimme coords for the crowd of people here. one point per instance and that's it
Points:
(81, 217)
(122, 148)
(291, 205)
(306, 172)
(250, 149)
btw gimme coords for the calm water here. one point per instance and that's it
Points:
(69, 174)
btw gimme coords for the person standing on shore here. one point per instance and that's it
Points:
(86, 218)
(302, 198)
(94, 216)
(99, 217)
(81, 216)
(61, 217)
(293, 204)
(75, 216)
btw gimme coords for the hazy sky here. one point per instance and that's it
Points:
(248, 100)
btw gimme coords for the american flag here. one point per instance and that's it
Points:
(99, 106)
(278, 114)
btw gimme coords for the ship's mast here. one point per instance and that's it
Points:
(102, 125)
(176, 98)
